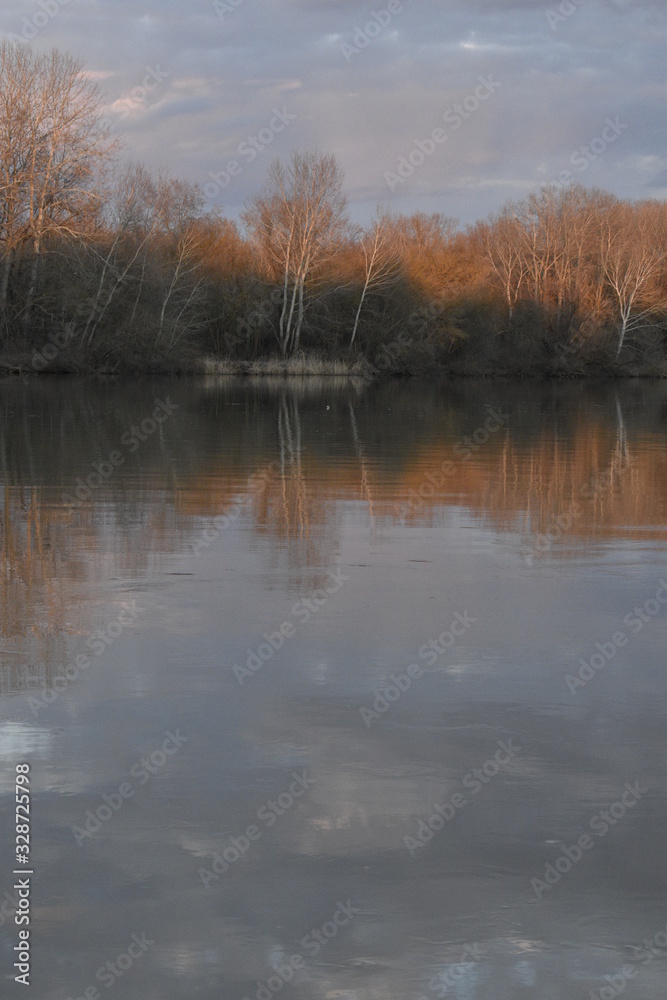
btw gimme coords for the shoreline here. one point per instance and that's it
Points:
(318, 367)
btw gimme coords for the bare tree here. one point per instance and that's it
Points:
(424, 245)
(17, 83)
(535, 216)
(504, 247)
(131, 221)
(181, 243)
(55, 143)
(297, 223)
(544, 247)
(381, 261)
(633, 260)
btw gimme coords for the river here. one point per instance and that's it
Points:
(336, 691)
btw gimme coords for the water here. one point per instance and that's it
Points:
(365, 522)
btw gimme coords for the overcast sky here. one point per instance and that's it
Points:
(189, 82)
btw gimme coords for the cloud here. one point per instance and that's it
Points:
(558, 84)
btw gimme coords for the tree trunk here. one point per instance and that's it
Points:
(4, 280)
(356, 318)
(299, 321)
(289, 328)
(4, 287)
(32, 286)
(95, 306)
(282, 339)
(95, 316)
(141, 285)
(167, 298)
(621, 335)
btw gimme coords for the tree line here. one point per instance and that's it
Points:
(107, 266)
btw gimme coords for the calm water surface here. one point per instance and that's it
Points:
(370, 680)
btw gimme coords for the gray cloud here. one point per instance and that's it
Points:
(558, 84)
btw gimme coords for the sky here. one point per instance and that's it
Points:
(451, 106)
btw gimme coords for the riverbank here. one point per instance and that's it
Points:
(305, 365)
